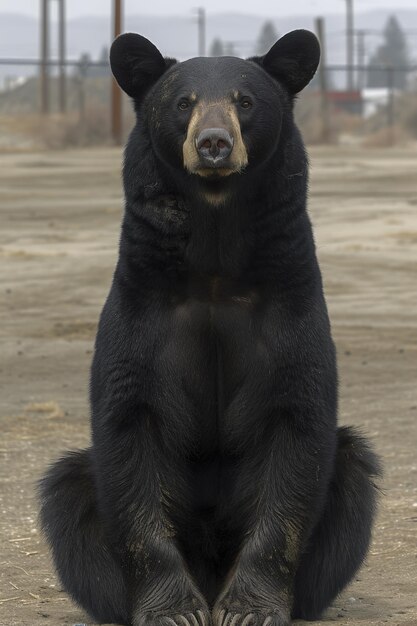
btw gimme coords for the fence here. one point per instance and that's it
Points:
(381, 110)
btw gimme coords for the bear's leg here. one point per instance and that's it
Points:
(142, 494)
(340, 541)
(72, 527)
(284, 495)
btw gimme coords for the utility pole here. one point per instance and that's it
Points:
(350, 54)
(390, 106)
(44, 68)
(44, 73)
(361, 52)
(116, 99)
(62, 76)
(325, 128)
(201, 20)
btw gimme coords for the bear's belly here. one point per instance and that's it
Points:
(208, 368)
(211, 351)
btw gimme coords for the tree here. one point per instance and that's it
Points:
(104, 55)
(229, 49)
(393, 53)
(267, 38)
(103, 70)
(217, 48)
(84, 65)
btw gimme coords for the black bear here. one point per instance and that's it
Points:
(218, 487)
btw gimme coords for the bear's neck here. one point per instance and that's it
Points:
(220, 238)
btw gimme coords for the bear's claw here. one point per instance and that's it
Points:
(226, 618)
(197, 618)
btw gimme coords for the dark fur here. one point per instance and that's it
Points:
(217, 481)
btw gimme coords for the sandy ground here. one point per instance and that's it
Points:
(60, 215)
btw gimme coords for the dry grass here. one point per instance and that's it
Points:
(48, 409)
(386, 137)
(58, 131)
(371, 132)
(71, 130)
(309, 117)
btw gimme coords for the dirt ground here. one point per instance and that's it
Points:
(60, 215)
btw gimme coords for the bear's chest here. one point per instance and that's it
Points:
(218, 321)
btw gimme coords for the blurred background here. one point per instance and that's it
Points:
(63, 122)
(55, 84)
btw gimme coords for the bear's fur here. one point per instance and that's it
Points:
(218, 487)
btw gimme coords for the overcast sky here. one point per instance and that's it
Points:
(75, 8)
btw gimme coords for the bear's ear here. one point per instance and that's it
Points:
(136, 63)
(293, 59)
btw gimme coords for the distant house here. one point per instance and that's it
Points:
(10, 82)
(348, 101)
(374, 98)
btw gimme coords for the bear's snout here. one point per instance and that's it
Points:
(214, 145)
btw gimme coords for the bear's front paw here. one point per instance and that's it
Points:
(247, 617)
(251, 601)
(199, 617)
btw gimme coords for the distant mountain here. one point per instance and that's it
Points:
(177, 35)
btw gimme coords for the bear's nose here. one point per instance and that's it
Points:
(214, 144)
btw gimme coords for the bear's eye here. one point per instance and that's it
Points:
(183, 105)
(246, 103)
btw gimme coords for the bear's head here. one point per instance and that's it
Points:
(215, 118)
